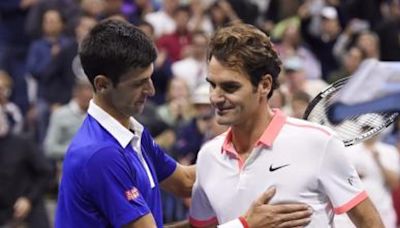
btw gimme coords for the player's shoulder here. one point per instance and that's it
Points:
(213, 146)
(307, 128)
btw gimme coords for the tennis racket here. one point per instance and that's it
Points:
(352, 129)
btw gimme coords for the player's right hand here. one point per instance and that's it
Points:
(263, 214)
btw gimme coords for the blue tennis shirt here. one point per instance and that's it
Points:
(111, 174)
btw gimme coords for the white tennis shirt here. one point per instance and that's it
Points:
(305, 162)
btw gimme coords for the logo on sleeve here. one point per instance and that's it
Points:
(351, 180)
(132, 194)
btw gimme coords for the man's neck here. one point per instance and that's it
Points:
(122, 119)
(245, 135)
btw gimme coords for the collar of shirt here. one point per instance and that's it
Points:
(267, 138)
(119, 132)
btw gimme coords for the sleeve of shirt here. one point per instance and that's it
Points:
(110, 185)
(201, 213)
(339, 179)
(163, 164)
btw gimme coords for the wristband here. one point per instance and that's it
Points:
(244, 222)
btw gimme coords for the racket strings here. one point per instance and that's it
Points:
(354, 128)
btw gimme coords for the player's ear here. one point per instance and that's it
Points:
(102, 84)
(265, 84)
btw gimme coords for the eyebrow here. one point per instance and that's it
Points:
(224, 82)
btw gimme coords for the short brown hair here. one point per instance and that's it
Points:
(244, 48)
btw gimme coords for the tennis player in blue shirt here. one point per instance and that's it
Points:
(113, 169)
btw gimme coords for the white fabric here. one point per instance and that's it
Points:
(232, 224)
(316, 174)
(374, 181)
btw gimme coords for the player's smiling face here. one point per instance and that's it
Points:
(235, 99)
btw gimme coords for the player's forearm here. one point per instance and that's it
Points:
(180, 224)
(190, 177)
(146, 221)
(365, 215)
(180, 183)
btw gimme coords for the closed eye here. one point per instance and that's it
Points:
(230, 87)
(140, 82)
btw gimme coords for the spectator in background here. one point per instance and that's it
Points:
(43, 50)
(93, 8)
(70, 59)
(69, 8)
(347, 37)
(192, 135)
(290, 45)
(178, 108)
(140, 9)
(193, 69)
(66, 120)
(278, 10)
(52, 89)
(24, 174)
(368, 41)
(200, 19)
(11, 111)
(389, 32)
(162, 20)
(14, 45)
(278, 100)
(322, 44)
(244, 9)
(175, 43)
(221, 14)
(162, 67)
(349, 63)
(299, 103)
(112, 7)
(295, 79)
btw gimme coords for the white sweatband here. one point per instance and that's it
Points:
(232, 224)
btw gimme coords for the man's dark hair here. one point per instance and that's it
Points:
(112, 48)
(246, 49)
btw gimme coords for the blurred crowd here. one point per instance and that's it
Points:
(44, 92)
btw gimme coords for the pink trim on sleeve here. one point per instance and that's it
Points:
(203, 223)
(349, 205)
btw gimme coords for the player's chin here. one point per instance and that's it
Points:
(137, 109)
(223, 120)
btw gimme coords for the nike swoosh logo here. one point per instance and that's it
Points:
(272, 169)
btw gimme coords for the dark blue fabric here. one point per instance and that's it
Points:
(98, 174)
